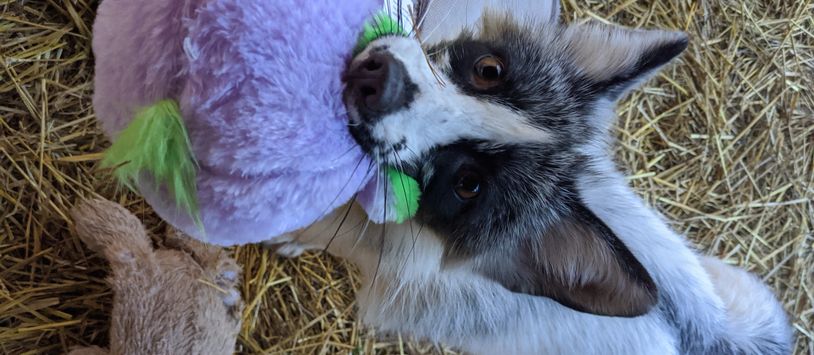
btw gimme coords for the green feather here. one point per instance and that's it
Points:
(157, 142)
(406, 193)
(379, 26)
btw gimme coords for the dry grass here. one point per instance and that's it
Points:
(722, 143)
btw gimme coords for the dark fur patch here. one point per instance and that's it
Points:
(542, 85)
(474, 225)
(526, 193)
(361, 133)
(522, 185)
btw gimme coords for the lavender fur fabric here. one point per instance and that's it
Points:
(258, 85)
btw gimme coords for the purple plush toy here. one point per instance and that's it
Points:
(227, 114)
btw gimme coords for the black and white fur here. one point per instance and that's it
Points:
(556, 255)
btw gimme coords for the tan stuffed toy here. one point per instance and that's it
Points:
(167, 301)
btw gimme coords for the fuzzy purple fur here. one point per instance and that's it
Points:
(258, 82)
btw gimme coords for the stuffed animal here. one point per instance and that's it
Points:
(226, 115)
(167, 301)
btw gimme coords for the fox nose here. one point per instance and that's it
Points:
(378, 85)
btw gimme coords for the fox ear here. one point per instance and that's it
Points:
(617, 59)
(579, 263)
(440, 20)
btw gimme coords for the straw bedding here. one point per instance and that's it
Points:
(722, 143)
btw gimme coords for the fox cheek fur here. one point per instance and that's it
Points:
(527, 239)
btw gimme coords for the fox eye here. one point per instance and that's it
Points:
(468, 184)
(488, 72)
